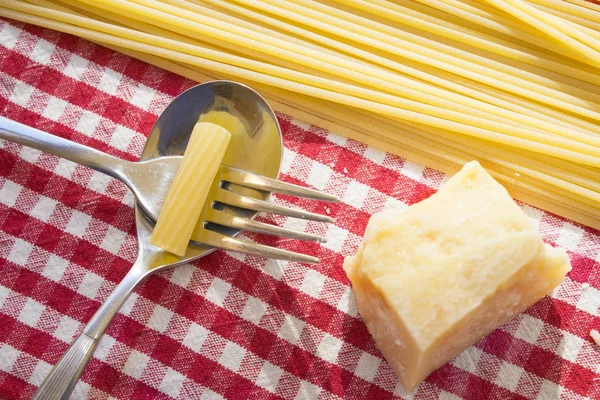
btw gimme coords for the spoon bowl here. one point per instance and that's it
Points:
(256, 146)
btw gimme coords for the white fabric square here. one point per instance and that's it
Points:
(400, 392)
(529, 328)
(195, 337)
(9, 35)
(356, 194)
(336, 237)
(31, 312)
(136, 363)
(232, 356)
(412, 170)
(291, 329)
(337, 139)
(160, 318)
(307, 391)
(44, 208)
(269, 376)
(313, 283)
(76, 67)
(238, 256)
(129, 304)
(367, 367)
(67, 328)
(82, 389)
(122, 137)
(549, 390)
(468, 359)
(88, 122)
(8, 357)
(375, 155)
(570, 346)
(90, 284)
(104, 347)
(589, 300)
(254, 310)
(9, 193)
(287, 160)
(534, 214)
(208, 394)
(55, 108)
(99, 182)
(508, 376)
(393, 204)
(110, 81)
(4, 293)
(55, 267)
(319, 176)
(347, 303)
(78, 223)
(113, 240)
(569, 236)
(295, 224)
(21, 93)
(42, 52)
(217, 291)
(30, 155)
(142, 97)
(20, 252)
(128, 198)
(275, 268)
(65, 168)
(172, 382)
(40, 372)
(329, 348)
(448, 396)
(182, 275)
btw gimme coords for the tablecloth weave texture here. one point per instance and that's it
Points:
(230, 326)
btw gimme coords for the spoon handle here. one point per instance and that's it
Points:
(78, 153)
(63, 377)
(65, 374)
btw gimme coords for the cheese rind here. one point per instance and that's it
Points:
(437, 277)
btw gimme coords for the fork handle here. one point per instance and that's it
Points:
(67, 149)
(63, 377)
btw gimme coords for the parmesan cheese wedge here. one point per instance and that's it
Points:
(435, 278)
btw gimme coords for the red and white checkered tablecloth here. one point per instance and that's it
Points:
(229, 326)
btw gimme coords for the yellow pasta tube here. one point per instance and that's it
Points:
(190, 188)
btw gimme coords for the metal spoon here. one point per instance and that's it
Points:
(169, 138)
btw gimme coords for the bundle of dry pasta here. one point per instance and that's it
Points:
(514, 84)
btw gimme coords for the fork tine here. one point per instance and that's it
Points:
(263, 183)
(234, 199)
(233, 221)
(224, 242)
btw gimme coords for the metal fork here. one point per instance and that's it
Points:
(232, 179)
(236, 196)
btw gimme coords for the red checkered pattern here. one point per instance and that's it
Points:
(230, 326)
